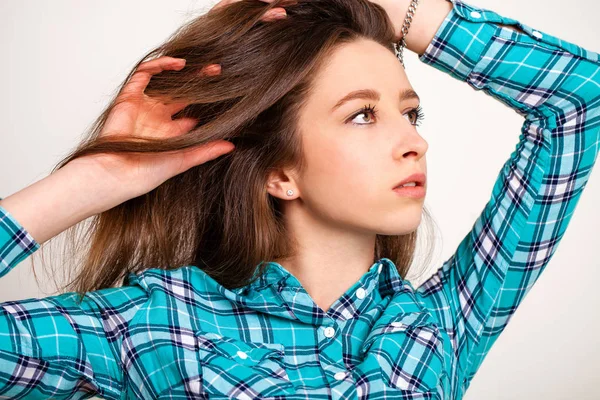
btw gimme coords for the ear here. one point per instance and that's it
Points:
(279, 181)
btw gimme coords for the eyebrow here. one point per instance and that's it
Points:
(372, 94)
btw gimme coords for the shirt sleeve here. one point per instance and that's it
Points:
(57, 347)
(555, 86)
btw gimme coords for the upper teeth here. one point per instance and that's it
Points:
(409, 184)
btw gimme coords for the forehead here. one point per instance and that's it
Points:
(361, 64)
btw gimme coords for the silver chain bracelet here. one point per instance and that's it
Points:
(399, 47)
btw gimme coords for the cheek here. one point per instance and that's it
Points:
(352, 186)
(341, 165)
(341, 177)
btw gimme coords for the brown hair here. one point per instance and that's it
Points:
(218, 215)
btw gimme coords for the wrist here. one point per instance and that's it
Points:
(426, 21)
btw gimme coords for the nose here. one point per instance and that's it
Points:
(412, 144)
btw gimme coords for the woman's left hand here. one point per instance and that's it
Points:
(395, 9)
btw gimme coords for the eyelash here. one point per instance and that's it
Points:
(372, 110)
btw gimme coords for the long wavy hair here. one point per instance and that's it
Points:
(218, 216)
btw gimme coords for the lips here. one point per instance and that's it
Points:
(418, 178)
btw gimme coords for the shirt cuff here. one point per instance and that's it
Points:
(15, 242)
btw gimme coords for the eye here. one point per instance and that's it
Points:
(365, 110)
(418, 113)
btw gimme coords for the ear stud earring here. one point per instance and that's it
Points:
(290, 192)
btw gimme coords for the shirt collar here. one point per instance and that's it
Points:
(384, 271)
(279, 293)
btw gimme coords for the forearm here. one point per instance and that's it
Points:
(57, 202)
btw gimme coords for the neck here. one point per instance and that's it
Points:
(330, 259)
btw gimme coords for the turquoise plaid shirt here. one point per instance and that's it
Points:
(178, 334)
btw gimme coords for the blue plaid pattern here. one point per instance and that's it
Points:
(179, 334)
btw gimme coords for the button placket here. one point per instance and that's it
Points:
(332, 355)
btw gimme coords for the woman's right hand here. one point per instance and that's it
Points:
(138, 114)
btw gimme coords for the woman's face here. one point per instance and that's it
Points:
(354, 159)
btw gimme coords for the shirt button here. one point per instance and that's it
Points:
(475, 14)
(380, 268)
(339, 375)
(397, 324)
(329, 331)
(360, 293)
(537, 34)
(242, 355)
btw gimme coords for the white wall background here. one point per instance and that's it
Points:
(63, 59)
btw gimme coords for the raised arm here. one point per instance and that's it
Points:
(555, 86)
(56, 347)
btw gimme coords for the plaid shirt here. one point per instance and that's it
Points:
(179, 334)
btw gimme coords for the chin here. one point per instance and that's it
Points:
(401, 224)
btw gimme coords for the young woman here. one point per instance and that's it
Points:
(250, 239)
